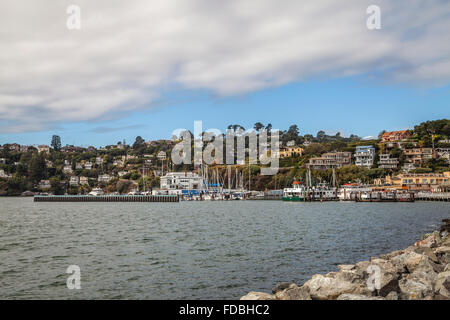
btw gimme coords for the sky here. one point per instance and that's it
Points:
(150, 67)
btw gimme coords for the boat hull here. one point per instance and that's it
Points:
(294, 199)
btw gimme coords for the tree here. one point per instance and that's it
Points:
(138, 143)
(56, 142)
(37, 168)
(320, 135)
(258, 126)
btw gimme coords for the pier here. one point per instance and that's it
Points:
(428, 196)
(108, 198)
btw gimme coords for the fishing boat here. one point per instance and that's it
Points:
(296, 193)
(319, 192)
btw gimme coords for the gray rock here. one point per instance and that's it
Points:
(392, 296)
(407, 262)
(442, 285)
(293, 292)
(258, 296)
(415, 288)
(347, 296)
(281, 286)
(427, 252)
(389, 274)
(329, 288)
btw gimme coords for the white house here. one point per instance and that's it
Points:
(104, 178)
(365, 156)
(88, 165)
(84, 181)
(4, 175)
(74, 181)
(44, 184)
(180, 180)
(67, 169)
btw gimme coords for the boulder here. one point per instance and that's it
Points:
(442, 250)
(258, 296)
(389, 275)
(447, 267)
(347, 296)
(442, 285)
(392, 254)
(430, 241)
(427, 252)
(346, 267)
(392, 296)
(281, 286)
(330, 287)
(413, 288)
(407, 262)
(445, 227)
(293, 292)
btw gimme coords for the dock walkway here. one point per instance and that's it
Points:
(108, 198)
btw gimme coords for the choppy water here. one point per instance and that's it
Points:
(192, 250)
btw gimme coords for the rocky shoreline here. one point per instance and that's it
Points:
(419, 272)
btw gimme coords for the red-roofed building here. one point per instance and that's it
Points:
(395, 136)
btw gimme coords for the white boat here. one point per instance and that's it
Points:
(298, 192)
(96, 192)
(349, 191)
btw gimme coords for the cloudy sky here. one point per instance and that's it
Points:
(144, 67)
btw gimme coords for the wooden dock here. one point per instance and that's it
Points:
(108, 198)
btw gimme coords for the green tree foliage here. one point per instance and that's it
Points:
(258, 126)
(37, 168)
(138, 143)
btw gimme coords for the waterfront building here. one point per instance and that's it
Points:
(418, 181)
(78, 166)
(98, 161)
(386, 162)
(364, 156)
(24, 148)
(3, 160)
(180, 180)
(418, 156)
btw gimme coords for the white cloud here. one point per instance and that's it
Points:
(127, 52)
